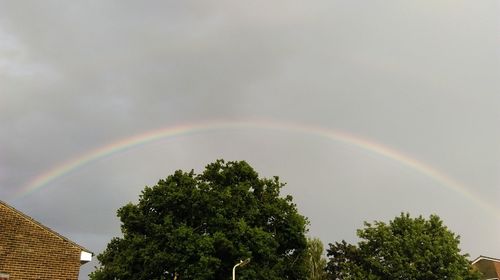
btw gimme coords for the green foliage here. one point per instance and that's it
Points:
(198, 226)
(406, 248)
(316, 262)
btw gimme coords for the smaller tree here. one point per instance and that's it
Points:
(316, 262)
(406, 248)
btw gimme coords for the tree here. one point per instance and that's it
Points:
(315, 259)
(406, 248)
(197, 227)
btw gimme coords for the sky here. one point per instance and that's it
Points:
(366, 109)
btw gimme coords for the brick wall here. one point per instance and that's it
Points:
(497, 269)
(30, 251)
(489, 267)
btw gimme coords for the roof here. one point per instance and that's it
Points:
(488, 266)
(480, 258)
(33, 221)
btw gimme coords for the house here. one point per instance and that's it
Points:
(489, 267)
(32, 251)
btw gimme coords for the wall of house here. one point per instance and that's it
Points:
(29, 251)
(488, 268)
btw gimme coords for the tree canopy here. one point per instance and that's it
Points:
(316, 261)
(197, 226)
(406, 248)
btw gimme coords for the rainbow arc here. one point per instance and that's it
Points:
(44, 179)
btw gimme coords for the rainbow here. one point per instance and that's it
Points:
(44, 179)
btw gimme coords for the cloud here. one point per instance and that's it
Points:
(15, 61)
(419, 77)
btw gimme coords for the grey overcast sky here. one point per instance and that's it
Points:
(420, 78)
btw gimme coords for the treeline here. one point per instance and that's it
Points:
(200, 227)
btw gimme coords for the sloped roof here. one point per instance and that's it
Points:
(33, 221)
(485, 258)
(488, 266)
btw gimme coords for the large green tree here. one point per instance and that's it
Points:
(405, 248)
(197, 226)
